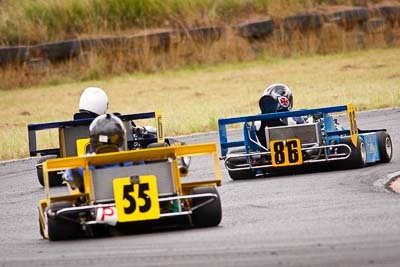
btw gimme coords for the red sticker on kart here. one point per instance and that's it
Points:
(286, 152)
(107, 215)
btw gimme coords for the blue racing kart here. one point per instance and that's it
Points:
(269, 144)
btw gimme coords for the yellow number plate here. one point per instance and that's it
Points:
(286, 152)
(136, 201)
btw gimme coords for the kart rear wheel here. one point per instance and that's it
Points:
(211, 213)
(55, 179)
(60, 228)
(358, 155)
(236, 162)
(384, 146)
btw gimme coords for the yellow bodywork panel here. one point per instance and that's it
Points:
(351, 114)
(159, 127)
(82, 146)
(171, 153)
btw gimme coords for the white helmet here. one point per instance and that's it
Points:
(95, 100)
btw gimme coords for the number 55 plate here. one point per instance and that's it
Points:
(136, 200)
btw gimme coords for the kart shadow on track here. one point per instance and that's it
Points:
(138, 228)
(296, 170)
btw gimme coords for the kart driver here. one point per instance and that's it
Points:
(92, 103)
(276, 98)
(107, 134)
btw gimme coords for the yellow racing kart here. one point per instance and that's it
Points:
(119, 192)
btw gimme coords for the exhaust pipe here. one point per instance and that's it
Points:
(183, 171)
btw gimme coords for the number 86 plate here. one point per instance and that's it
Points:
(286, 152)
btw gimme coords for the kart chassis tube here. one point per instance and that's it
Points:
(32, 128)
(210, 198)
(334, 157)
(171, 153)
(223, 122)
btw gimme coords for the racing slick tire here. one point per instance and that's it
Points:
(59, 228)
(55, 179)
(209, 214)
(358, 155)
(385, 147)
(241, 174)
(236, 161)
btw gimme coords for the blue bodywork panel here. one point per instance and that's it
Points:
(371, 145)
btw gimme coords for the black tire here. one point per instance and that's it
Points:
(390, 13)
(60, 228)
(303, 22)
(256, 29)
(375, 25)
(103, 43)
(204, 34)
(234, 162)
(160, 41)
(99, 230)
(14, 54)
(241, 174)
(58, 50)
(348, 18)
(209, 214)
(385, 147)
(358, 155)
(55, 179)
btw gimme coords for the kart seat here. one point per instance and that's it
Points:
(83, 115)
(268, 105)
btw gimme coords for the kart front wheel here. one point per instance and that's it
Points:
(238, 161)
(241, 174)
(55, 179)
(210, 214)
(61, 228)
(384, 147)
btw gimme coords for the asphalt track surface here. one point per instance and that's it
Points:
(332, 218)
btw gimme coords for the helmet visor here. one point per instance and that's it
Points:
(268, 104)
